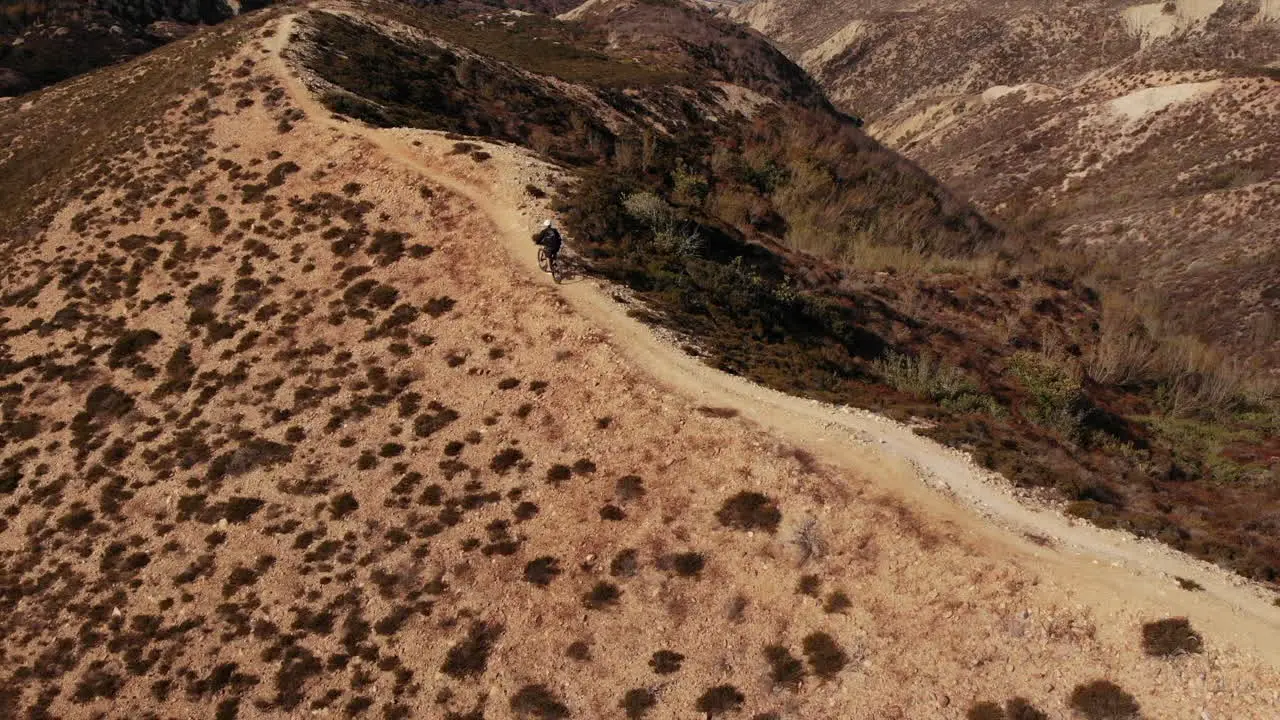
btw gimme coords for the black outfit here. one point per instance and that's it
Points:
(550, 239)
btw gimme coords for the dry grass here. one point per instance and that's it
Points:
(1136, 348)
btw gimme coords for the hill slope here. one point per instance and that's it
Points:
(45, 41)
(288, 429)
(1145, 133)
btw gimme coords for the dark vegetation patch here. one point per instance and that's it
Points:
(96, 682)
(1021, 709)
(625, 563)
(719, 700)
(129, 345)
(435, 89)
(437, 418)
(252, 454)
(438, 306)
(557, 474)
(637, 702)
(686, 564)
(825, 656)
(578, 650)
(1170, 637)
(343, 505)
(837, 602)
(1103, 700)
(749, 510)
(784, 668)
(629, 488)
(541, 571)
(1187, 584)
(809, 585)
(665, 662)
(984, 711)
(716, 412)
(536, 701)
(470, 656)
(506, 459)
(601, 596)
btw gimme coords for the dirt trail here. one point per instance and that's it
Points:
(1111, 568)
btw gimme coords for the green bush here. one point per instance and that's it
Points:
(932, 378)
(1057, 396)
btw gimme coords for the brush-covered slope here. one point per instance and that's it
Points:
(286, 432)
(45, 41)
(758, 223)
(1147, 133)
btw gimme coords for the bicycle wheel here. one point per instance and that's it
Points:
(543, 263)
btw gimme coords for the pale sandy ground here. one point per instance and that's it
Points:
(948, 606)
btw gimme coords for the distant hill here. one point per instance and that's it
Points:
(1148, 133)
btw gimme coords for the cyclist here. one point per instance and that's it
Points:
(550, 240)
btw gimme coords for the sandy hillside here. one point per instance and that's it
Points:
(292, 428)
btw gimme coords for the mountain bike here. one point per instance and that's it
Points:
(549, 264)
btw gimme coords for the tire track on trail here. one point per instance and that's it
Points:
(1112, 568)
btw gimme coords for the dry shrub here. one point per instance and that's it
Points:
(665, 662)
(578, 650)
(809, 585)
(1170, 637)
(603, 595)
(784, 668)
(1188, 584)
(637, 703)
(719, 700)
(808, 540)
(1124, 353)
(932, 378)
(1103, 700)
(985, 711)
(1135, 347)
(625, 563)
(1057, 394)
(688, 564)
(469, 657)
(1014, 709)
(505, 460)
(824, 654)
(837, 602)
(536, 701)
(541, 571)
(630, 488)
(748, 510)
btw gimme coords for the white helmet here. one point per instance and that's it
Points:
(546, 224)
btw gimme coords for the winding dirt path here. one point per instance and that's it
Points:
(1111, 568)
